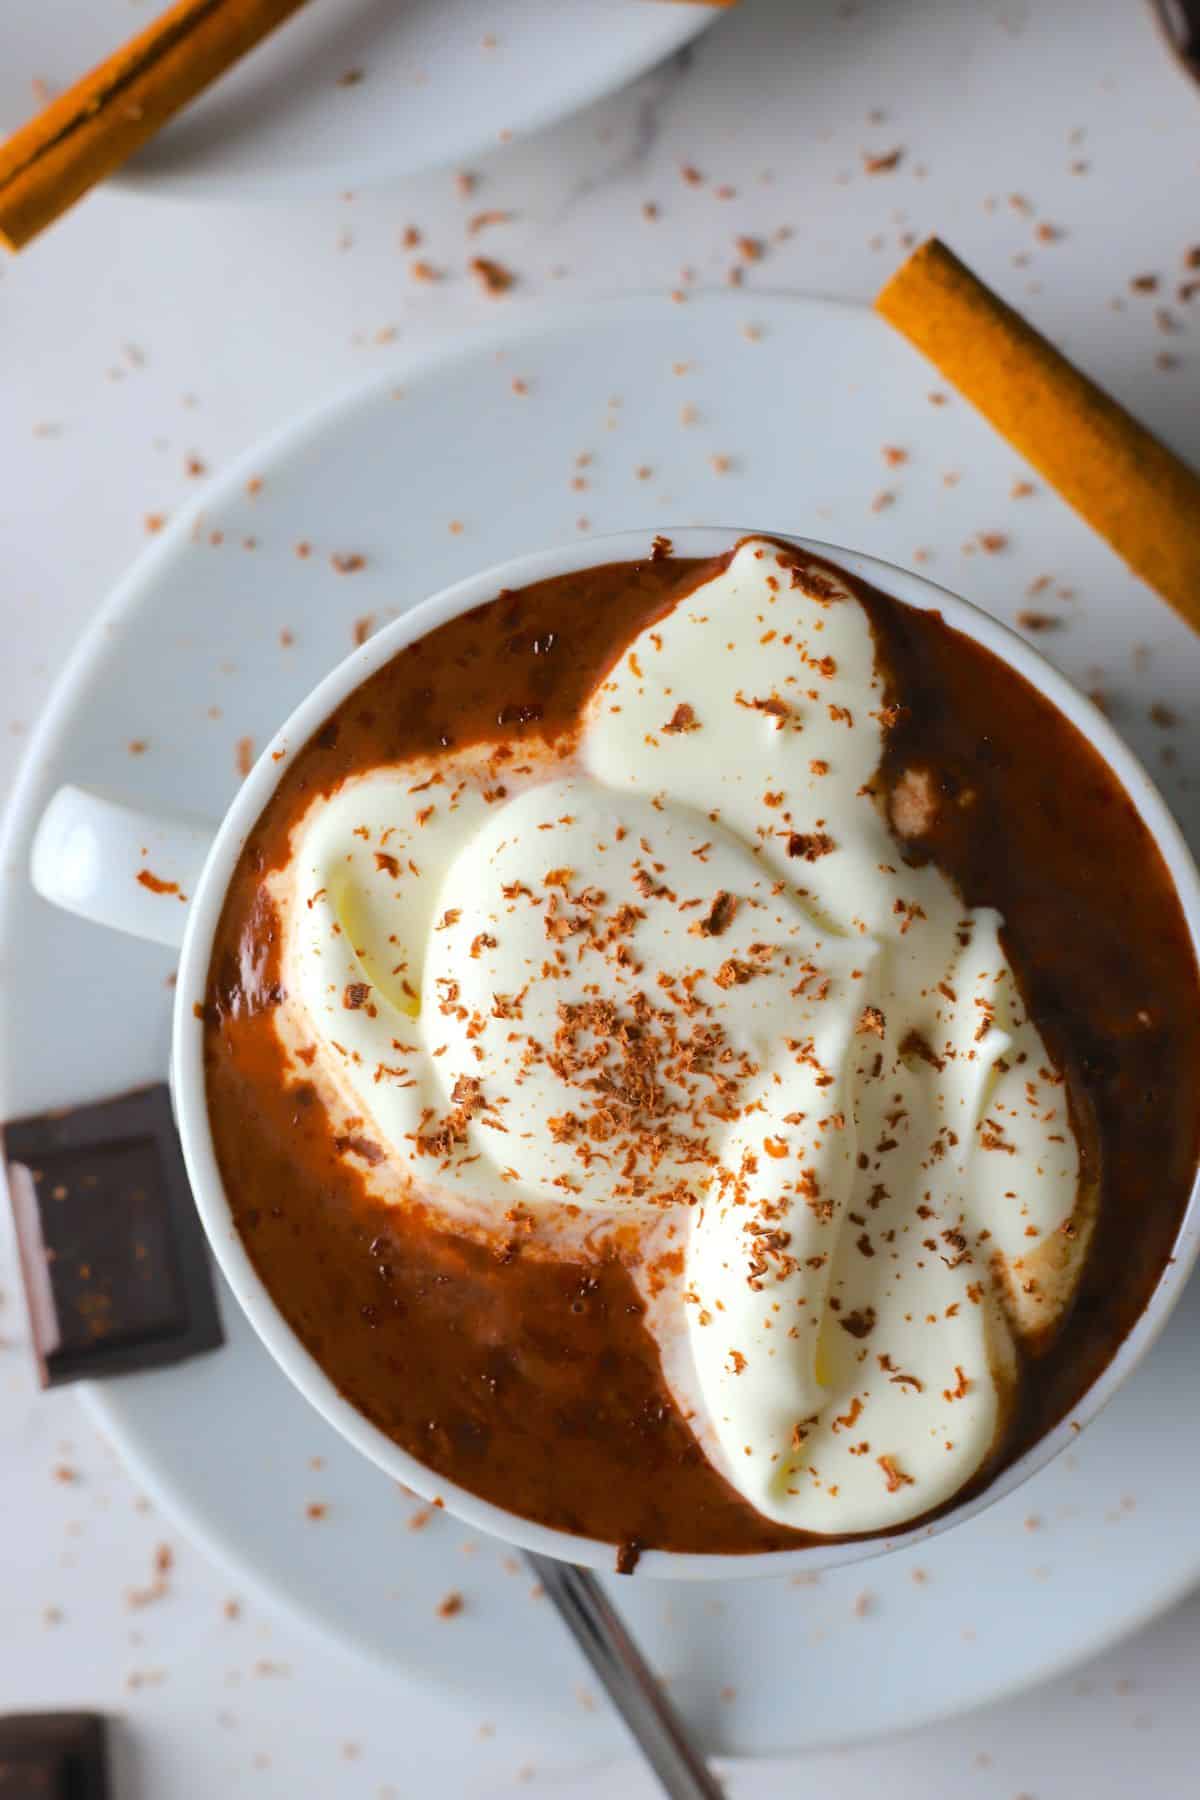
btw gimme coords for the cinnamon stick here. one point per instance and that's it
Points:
(89, 131)
(1129, 487)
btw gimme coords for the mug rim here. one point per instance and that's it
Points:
(190, 1099)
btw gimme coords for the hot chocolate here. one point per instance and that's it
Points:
(697, 1050)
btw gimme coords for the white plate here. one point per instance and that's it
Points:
(799, 396)
(441, 81)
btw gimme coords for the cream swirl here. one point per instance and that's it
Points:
(686, 974)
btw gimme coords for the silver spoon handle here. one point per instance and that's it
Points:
(628, 1680)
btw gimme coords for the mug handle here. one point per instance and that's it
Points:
(134, 871)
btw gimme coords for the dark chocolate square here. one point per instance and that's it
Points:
(113, 1255)
(53, 1756)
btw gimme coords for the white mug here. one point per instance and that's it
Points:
(89, 852)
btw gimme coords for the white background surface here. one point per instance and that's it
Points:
(141, 333)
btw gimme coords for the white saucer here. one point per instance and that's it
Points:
(439, 469)
(352, 90)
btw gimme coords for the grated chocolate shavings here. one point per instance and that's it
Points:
(894, 1475)
(811, 846)
(718, 918)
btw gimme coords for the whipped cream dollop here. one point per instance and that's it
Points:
(677, 977)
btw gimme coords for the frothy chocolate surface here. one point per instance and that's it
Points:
(536, 1383)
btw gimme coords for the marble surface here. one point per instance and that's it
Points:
(1056, 147)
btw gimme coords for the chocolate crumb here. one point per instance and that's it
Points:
(719, 916)
(480, 221)
(155, 883)
(811, 845)
(882, 164)
(493, 276)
